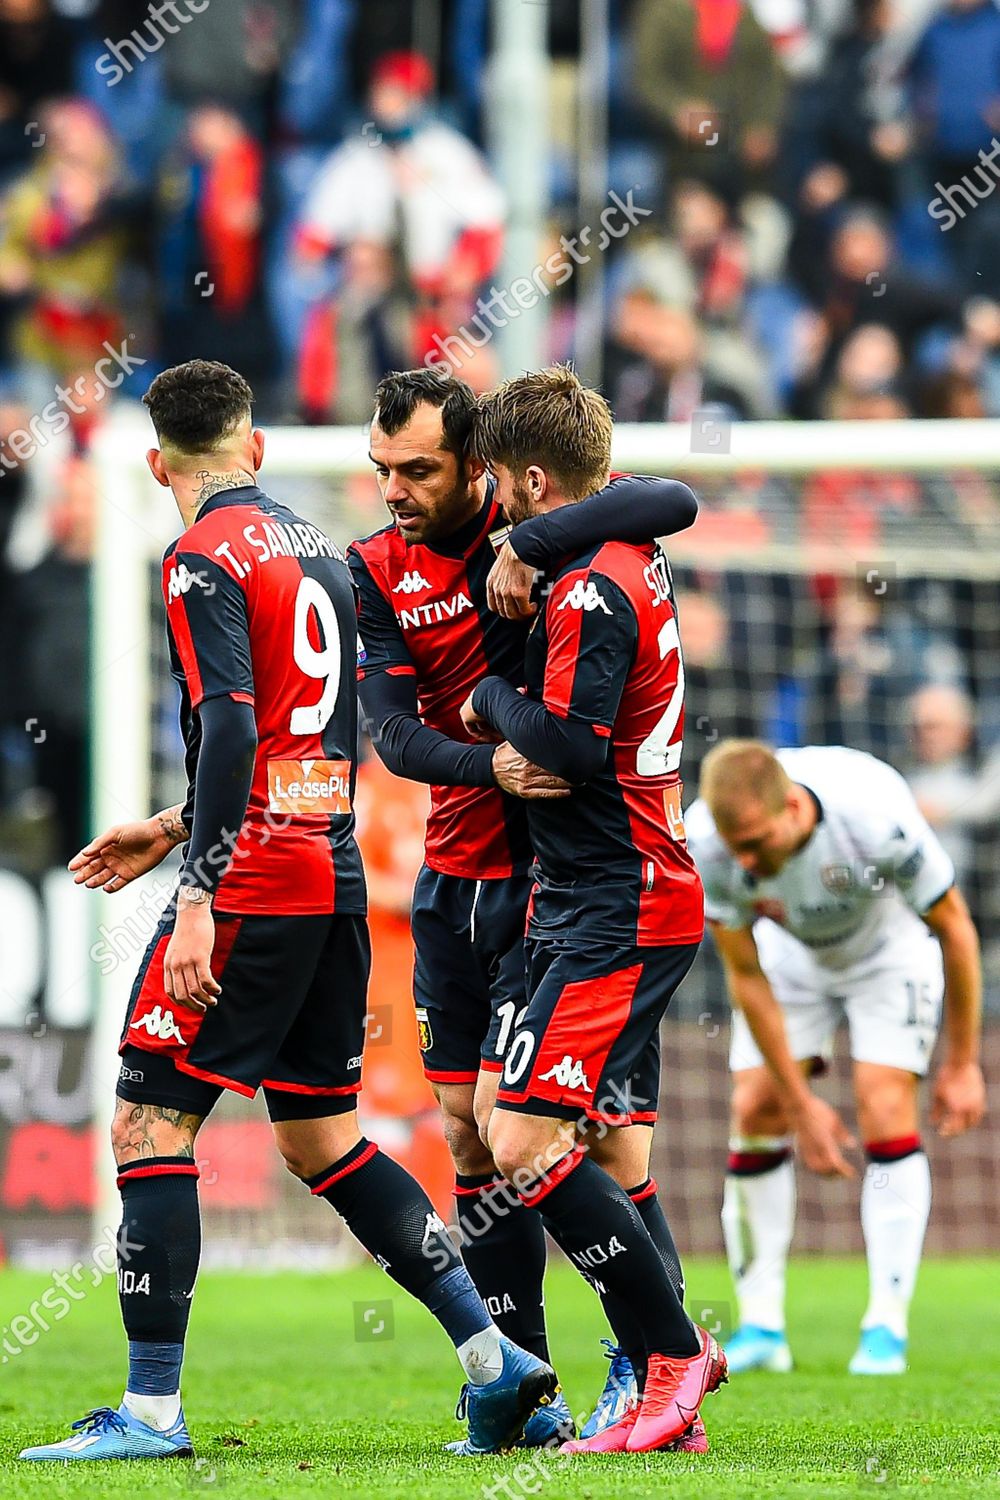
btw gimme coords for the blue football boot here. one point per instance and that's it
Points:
(880, 1352)
(753, 1348)
(619, 1395)
(498, 1412)
(550, 1425)
(104, 1433)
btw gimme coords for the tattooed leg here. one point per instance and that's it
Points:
(141, 1131)
(159, 1247)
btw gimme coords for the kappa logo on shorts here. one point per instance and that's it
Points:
(130, 1075)
(569, 1074)
(425, 1036)
(159, 1023)
(353, 1063)
(585, 596)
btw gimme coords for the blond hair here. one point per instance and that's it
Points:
(549, 418)
(737, 772)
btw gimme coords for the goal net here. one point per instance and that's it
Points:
(840, 586)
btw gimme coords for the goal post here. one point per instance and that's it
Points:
(933, 493)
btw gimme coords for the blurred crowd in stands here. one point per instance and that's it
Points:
(304, 188)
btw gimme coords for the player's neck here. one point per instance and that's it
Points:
(192, 491)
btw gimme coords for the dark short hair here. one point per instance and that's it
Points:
(195, 406)
(399, 393)
(551, 419)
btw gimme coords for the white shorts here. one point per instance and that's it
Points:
(893, 1013)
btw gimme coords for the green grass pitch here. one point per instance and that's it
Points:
(283, 1399)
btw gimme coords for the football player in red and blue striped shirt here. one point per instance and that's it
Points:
(617, 909)
(428, 636)
(257, 976)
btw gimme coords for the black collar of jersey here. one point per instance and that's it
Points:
(816, 802)
(242, 494)
(468, 536)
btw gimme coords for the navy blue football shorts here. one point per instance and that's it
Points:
(469, 976)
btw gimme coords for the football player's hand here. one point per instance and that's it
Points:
(822, 1136)
(522, 778)
(120, 855)
(959, 1097)
(187, 971)
(477, 727)
(509, 585)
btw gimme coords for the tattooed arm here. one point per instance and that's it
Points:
(128, 850)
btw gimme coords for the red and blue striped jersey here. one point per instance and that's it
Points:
(606, 651)
(423, 614)
(261, 607)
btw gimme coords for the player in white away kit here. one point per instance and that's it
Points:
(828, 895)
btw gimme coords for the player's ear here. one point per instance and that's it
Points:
(474, 468)
(257, 449)
(157, 468)
(536, 482)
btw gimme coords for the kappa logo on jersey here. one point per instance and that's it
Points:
(569, 1074)
(411, 583)
(182, 580)
(159, 1023)
(585, 596)
(435, 612)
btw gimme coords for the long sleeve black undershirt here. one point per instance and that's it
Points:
(410, 748)
(633, 508)
(223, 779)
(566, 747)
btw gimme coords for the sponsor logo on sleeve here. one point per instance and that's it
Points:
(586, 596)
(181, 580)
(911, 866)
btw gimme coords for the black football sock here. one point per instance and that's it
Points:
(650, 1211)
(159, 1247)
(595, 1222)
(624, 1324)
(503, 1247)
(390, 1214)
